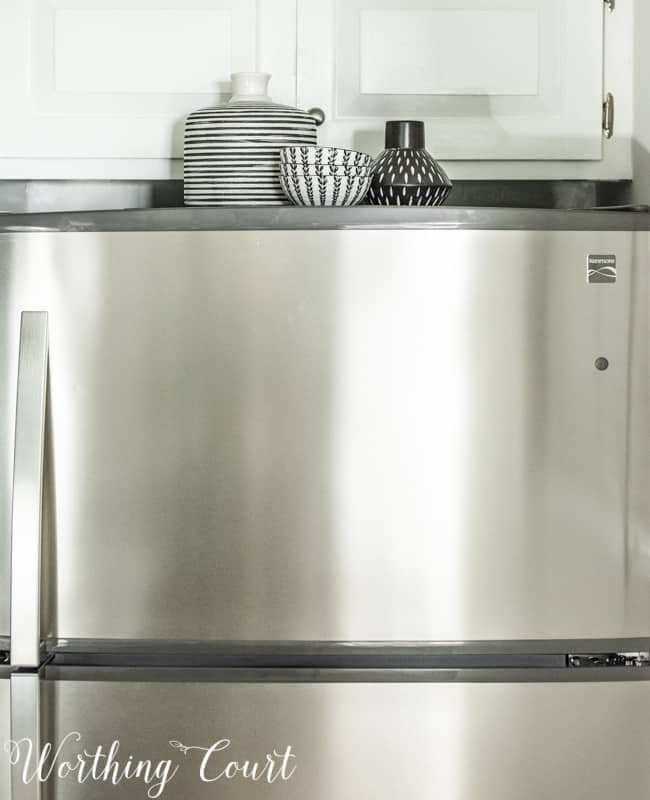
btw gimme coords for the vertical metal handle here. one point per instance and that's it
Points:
(28, 491)
(25, 729)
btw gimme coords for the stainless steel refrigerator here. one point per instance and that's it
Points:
(368, 484)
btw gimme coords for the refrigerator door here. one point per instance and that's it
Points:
(5, 733)
(325, 740)
(8, 358)
(338, 435)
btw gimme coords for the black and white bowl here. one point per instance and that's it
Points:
(326, 171)
(314, 170)
(324, 156)
(323, 190)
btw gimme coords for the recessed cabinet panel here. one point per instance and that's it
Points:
(114, 79)
(494, 79)
(84, 49)
(431, 50)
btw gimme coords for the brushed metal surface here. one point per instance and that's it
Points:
(456, 741)
(396, 650)
(5, 735)
(468, 673)
(340, 435)
(27, 498)
(25, 728)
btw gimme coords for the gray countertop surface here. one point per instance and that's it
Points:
(293, 218)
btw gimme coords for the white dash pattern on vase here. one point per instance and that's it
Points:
(405, 173)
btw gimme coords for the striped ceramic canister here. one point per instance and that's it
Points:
(232, 152)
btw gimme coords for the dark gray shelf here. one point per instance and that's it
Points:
(293, 218)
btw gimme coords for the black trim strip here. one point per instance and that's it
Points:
(332, 655)
(287, 660)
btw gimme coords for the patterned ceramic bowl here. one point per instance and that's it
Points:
(324, 156)
(324, 190)
(319, 170)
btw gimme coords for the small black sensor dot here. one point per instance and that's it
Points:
(602, 364)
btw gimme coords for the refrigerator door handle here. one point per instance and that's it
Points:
(28, 491)
(25, 735)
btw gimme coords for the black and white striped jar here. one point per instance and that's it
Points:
(232, 152)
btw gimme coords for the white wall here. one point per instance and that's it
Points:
(641, 141)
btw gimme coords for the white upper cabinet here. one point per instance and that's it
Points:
(494, 79)
(114, 79)
(100, 88)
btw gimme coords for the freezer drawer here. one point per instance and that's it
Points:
(337, 435)
(412, 740)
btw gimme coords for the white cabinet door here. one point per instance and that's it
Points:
(114, 79)
(494, 79)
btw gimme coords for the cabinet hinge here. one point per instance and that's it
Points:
(611, 4)
(608, 660)
(608, 116)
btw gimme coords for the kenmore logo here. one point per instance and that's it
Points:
(601, 269)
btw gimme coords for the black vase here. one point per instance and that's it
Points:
(405, 174)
